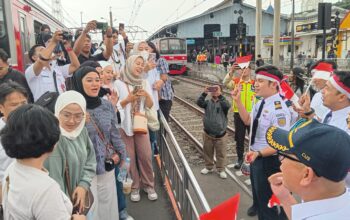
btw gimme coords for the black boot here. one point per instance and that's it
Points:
(252, 211)
(238, 164)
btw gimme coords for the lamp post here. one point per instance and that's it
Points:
(292, 37)
(240, 30)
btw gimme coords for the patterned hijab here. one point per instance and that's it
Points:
(127, 75)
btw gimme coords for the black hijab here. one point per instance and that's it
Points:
(77, 78)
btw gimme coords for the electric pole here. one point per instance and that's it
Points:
(110, 16)
(276, 33)
(258, 19)
(292, 37)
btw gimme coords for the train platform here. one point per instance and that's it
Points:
(161, 209)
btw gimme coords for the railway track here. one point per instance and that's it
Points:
(188, 119)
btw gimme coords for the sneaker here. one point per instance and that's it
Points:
(155, 151)
(135, 195)
(223, 175)
(238, 164)
(152, 195)
(206, 171)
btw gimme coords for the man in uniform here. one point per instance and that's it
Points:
(270, 111)
(336, 97)
(321, 72)
(314, 162)
(247, 98)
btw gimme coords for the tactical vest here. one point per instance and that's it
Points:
(247, 94)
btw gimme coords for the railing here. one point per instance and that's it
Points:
(189, 197)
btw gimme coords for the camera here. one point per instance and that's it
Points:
(101, 25)
(111, 162)
(67, 36)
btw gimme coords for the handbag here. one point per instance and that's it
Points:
(48, 100)
(89, 198)
(139, 119)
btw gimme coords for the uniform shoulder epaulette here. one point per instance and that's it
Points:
(278, 105)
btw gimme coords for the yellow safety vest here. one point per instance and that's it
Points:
(247, 95)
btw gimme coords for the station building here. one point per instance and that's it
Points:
(216, 30)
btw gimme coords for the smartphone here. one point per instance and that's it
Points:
(212, 89)
(136, 89)
(152, 57)
(121, 26)
(101, 25)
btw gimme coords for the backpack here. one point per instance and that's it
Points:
(48, 100)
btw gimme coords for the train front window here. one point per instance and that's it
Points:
(172, 46)
(4, 40)
(177, 46)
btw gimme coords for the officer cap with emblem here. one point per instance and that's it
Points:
(322, 147)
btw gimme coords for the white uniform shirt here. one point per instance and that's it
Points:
(153, 76)
(34, 195)
(337, 208)
(118, 56)
(274, 113)
(126, 115)
(44, 81)
(340, 119)
(5, 160)
(317, 104)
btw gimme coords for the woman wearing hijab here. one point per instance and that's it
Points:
(74, 149)
(138, 145)
(106, 140)
(153, 78)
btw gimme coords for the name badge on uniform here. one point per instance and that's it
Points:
(278, 105)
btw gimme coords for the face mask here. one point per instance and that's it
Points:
(144, 54)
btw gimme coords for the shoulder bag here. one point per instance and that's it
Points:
(89, 198)
(139, 120)
(151, 115)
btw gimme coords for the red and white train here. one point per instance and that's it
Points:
(20, 22)
(174, 50)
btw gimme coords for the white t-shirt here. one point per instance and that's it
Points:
(5, 160)
(44, 81)
(317, 104)
(153, 76)
(121, 88)
(118, 56)
(33, 195)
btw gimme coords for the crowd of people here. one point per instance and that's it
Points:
(78, 123)
(298, 148)
(81, 120)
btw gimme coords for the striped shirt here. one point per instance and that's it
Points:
(167, 92)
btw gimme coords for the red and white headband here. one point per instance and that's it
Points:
(267, 76)
(341, 87)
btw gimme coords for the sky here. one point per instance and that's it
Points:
(152, 14)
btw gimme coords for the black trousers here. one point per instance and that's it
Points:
(165, 107)
(260, 170)
(240, 131)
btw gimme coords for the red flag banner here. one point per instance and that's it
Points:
(225, 211)
(274, 201)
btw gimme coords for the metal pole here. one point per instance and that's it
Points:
(276, 33)
(81, 19)
(258, 28)
(324, 44)
(292, 37)
(110, 16)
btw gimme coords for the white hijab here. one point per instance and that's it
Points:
(66, 98)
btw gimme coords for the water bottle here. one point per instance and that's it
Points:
(123, 172)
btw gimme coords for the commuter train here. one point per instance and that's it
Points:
(174, 50)
(20, 22)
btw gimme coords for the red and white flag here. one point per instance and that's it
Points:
(224, 211)
(289, 94)
(243, 62)
(274, 201)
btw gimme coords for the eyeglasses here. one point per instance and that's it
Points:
(68, 116)
(282, 156)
